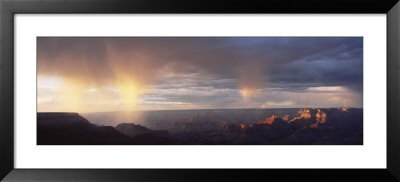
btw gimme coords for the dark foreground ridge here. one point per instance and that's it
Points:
(73, 129)
(331, 126)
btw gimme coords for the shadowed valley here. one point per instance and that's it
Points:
(324, 126)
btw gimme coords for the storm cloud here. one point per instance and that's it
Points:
(204, 72)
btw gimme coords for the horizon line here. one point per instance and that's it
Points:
(198, 109)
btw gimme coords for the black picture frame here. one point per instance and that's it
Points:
(9, 8)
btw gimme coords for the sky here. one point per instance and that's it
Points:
(99, 74)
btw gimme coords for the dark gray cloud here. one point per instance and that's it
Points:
(280, 64)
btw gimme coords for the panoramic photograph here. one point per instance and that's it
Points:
(199, 91)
